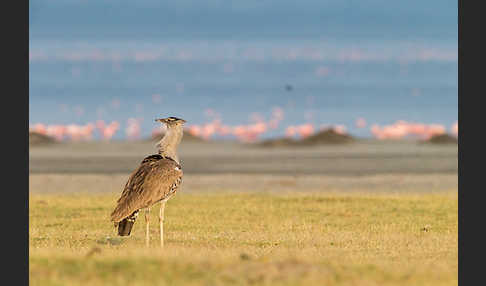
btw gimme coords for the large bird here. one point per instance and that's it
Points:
(156, 179)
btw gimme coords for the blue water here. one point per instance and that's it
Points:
(380, 61)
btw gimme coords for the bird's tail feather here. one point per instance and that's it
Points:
(125, 226)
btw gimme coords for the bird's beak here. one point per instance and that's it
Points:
(162, 120)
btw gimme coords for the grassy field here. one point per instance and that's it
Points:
(249, 238)
(371, 213)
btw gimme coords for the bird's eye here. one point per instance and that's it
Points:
(177, 168)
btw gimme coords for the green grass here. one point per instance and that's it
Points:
(249, 239)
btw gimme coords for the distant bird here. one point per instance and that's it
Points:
(288, 87)
(156, 179)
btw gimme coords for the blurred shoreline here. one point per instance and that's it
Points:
(364, 157)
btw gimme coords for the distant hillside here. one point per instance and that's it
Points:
(442, 139)
(327, 136)
(36, 139)
(278, 142)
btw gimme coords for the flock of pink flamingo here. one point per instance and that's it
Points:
(244, 132)
(75, 132)
(401, 129)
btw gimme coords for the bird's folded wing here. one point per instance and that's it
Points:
(151, 182)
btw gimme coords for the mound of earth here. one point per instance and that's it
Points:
(36, 138)
(327, 136)
(186, 137)
(442, 139)
(279, 142)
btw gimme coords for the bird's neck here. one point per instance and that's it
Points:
(168, 144)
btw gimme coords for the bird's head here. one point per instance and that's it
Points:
(171, 121)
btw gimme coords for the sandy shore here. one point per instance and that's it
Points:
(365, 158)
(113, 183)
(367, 166)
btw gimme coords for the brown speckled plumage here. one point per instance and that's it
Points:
(156, 179)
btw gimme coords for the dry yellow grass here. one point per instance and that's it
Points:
(249, 238)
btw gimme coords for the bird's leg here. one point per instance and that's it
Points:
(147, 223)
(161, 222)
